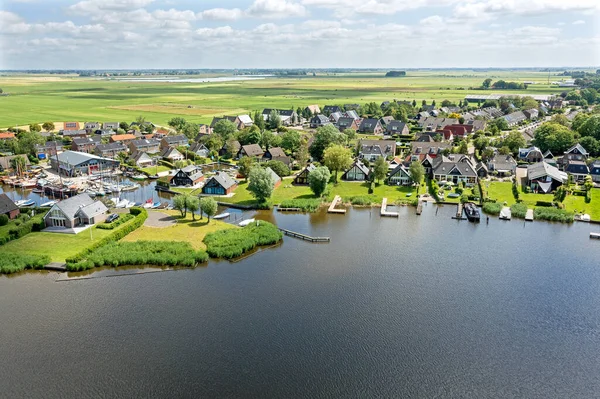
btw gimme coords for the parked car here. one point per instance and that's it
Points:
(112, 217)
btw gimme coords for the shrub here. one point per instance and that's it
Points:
(232, 243)
(121, 220)
(12, 263)
(163, 253)
(519, 210)
(515, 190)
(553, 215)
(306, 205)
(493, 208)
(3, 220)
(543, 203)
(21, 227)
(434, 189)
(361, 200)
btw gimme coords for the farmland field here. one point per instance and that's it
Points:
(40, 98)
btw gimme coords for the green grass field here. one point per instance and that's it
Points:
(39, 98)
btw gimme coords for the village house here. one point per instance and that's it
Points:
(219, 184)
(151, 146)
(71, 126)
(236, 146)
(200, 150)
(504, 165)
(347, 123)
(302, 177)
(173, 141)
(373, 149)
(250, 150)
(578, 169)
(432, 124)
(187, 177)
(245, 121)
(5, 136)
(384, 120)
(288, 117)
(531, 154)
(334, 117)
(8, 207)
(275, 176)
(76, 211)
(313, 109)
(203, 130)
(455, 169)
(330, 109)
(233, 119)
(274, 153)
(397, 127)
(357, 172)
(531, 114)
(6, 162)
(48, 149)
(318, 121)
(399, 176)
(514, 118)
(544, 178)
(74, 133)
(350, 114)
(122, 138)
(595, 171)
(575, 153)
(103, 133)
(142, 160)
(110, 126)
(171, 154)
(110, 150)
(425, 145)
(370, 126)
(73, 163)
(86, 144)
(91, 127)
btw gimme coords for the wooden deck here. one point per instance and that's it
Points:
(529, 215)
(304, 236)
(384, 211)
(420, 206)
(459, 211)
(334, 203)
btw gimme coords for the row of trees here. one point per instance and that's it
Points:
(186, 202)
(502, 85)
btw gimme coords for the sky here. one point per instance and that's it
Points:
(186, 34)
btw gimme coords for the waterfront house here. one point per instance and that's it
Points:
(8, 207)
(91, 127)
(578, 169)
(219, 184)
(142, 159)
(48, 149)
(455, 169)
(576, 153)
(531, 154)
(122, 138)
(302, 177)
(544, 178)
(110, 126)
(171, 154)
(250, 150)
(187, 177)
(595, 171)
(370, 126)
(504, 165)
(73, 163)
(151, 146)
(397, 127)
(109, 150)
(357, 172)
(85, 144)
(399, 176)
(76, 211)
(275, 176)
(200, 150)
(6, 164)
(373, 149)
(347, 123)
(318, 121)
(330, 109)
(173, 141)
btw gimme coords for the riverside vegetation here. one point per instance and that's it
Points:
(13, 263)
(232, 243)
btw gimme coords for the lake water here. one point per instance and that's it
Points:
(419, 306)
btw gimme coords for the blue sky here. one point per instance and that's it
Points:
(89, 34)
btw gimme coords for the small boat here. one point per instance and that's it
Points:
(139, 177)
(91, 193)
(48, 204)
(583, 218)
(100, 193)
(28, 183)
(409, 194)
(156, 205)
(129, 204)
(246, 222)
(25, 202)
(130, 187)
(505, 213)
(472, 212)
(37, 191)
(122, 204)
(221, 216)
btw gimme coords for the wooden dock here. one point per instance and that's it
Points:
(304, 236)
(419, 206)
(459, 211)
(505, 213)
(529, 215)
(595, 235)
(332, 208)
(384, 211)
(56, 267)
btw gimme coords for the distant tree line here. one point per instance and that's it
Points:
(395, 74)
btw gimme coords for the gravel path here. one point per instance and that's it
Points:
(159, 219)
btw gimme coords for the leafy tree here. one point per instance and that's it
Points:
(414, 103)
(291, 140)
(179, 164)
(225, 129)
(350, 134)
(325, 136)
(190, 130)
(231, 148)
(336, 158)
(574, 96)
(529, 103)
(140, 120)
(591, 145)
(124, 126)
(208, 206)
(514, 141)
(1, 91)
(259, 121)
(560, 194)
(590, 95)
(27, 142)
(179, 203)
(318, 179)
(416, 172)
(486, 83)
(3, 218)
(446, 103)
(193, 204)
(501, 124)
(35, 127)
(302, 155)
(553, 137)
(274, 120)
(433, 103)
(401, 114)
(213, 142)
(561, 120)
(481, 143)
(177, 123)
(270, 139)
(591, 127)
(245, 165)
(579, 120)
(18, 164)
(454, 115)
(48, 126)
(380, 168)
(261, 184)
(279, 167)
(424, 102)
(249, 136)
(463, 148)
(504, 150)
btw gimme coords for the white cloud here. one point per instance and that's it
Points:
(88, 7)
(221, 14)
(486, 9)
(175, 15)
(579, 22)
(262, 9)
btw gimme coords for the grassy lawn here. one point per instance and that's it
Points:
(185, 230)
(186, 190)
(154, 170)
(502, 192)
(57, 246)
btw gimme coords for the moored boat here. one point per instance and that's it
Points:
(246, 222)
(472, 212)
(139, 177)
(25, 202)
(48, 204)
(221, 215)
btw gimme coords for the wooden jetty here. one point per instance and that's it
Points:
(529, 215)
(56, 267)
(384, 211)
(459, 210)
(505, 213)
(419, 206)
(595, 235)
(304, 236)
(332, 208)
